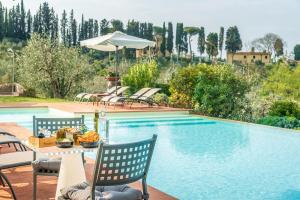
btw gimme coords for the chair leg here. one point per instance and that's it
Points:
(145, 190)
(34, 186)
(15, 147)
(2, 181)
(9, 185)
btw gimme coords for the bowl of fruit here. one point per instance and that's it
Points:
(65, 137)
(89, 139)
(64, 143)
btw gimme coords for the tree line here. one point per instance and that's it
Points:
(20, 24)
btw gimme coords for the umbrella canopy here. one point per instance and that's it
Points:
(116, 41)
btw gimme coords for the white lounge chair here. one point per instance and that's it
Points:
(119, 92)
(133, 97)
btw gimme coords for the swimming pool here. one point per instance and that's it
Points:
(200, 158)
(23, 116)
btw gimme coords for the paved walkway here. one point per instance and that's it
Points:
(89, 107)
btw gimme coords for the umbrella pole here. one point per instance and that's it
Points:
(116, 70)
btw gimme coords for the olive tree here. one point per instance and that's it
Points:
(50, 68)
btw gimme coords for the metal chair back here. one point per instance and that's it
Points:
(123, 164)
(53, 124)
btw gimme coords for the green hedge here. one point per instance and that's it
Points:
(285, 109)
(283, 122)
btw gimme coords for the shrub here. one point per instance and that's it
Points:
(182, 86)
(161, 99)
(259, 63)
(283, 122)
(29, 92)
(285, 109)
(220, 92)
(282, 82)
(141, 75)
(165, 88)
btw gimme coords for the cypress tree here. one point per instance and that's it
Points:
(201, 41)
(35, 24)
(6, 23)
(170, 38)
(10, 26)
(142, 30)
(54, 25)
(221, 40)
(81, 29)
(1, 22)
(28, 24)
(23, 22)
(16, 23)
(85, 29)
(46, 19)
(90, 28)
(149, 35)
(73, 29)
(96, 28)
(179, 38)
(63, 27)
(163, 43)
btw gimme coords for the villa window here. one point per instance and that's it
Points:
(253, 57)
(245, 57)
(266, 57)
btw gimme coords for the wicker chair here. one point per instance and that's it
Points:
(115, 166)
(50, 167)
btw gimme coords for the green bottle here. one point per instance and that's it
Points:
(96, 121)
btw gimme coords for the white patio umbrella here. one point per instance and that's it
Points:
(116, 41)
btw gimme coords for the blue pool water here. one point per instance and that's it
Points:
(23, 116)
(199, 158)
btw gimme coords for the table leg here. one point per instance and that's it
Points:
(71, 172)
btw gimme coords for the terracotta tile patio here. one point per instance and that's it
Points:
(89, 107)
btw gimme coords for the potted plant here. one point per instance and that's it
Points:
(113, 76)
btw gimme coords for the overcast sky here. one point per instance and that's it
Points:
(254, 18)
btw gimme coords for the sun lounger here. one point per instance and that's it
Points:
(88, 97)
(8, 139)
(133, 97)
(79, 96)
(119, 92)
(147, 97)
(13, 160)
(116, 165)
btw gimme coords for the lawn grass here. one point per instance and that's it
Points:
(10, 99)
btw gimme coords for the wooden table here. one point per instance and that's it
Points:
(71, 168)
